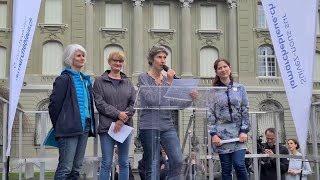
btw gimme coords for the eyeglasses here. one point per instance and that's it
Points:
(117, 61)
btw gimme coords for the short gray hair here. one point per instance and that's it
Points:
(70, 52)
(153, 51)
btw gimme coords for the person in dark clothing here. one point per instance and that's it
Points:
(269, 165)
(141, 169)
(163, 168)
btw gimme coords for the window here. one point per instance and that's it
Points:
(208, 15)
(207, 56)
(161, 17)
(52, 58)
(53, 12)
(107, 52)
(3, 62)
(266, 61)
(3, 15)
(113, 15)
(268, 120)
(262, 22)
(316, 69)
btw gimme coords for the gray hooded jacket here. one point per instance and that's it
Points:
(110, 100)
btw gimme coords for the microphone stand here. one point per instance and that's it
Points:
(193, 142)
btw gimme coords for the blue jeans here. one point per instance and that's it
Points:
(151, 139)
(107, 148)
(237, 161)
(71, 154)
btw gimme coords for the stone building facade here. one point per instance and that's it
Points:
(195, 32)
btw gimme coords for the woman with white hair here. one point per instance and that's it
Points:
(71, 112)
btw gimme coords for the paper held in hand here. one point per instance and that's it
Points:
(122, 135)
(229, 140)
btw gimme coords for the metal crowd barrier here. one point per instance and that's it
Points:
(271, 118)
(42, 159)
(190, 142)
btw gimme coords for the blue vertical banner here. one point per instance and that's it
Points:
(292, 25)
(25, 15)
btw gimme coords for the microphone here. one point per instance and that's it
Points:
(166, 68)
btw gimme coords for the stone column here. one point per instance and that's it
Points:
(138, 58)
(186, 39)
(137, 64)
(232, 36)
(89, 37)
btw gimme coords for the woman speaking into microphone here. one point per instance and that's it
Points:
(156, 126)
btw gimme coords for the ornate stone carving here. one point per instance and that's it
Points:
(206, 81)
(43, 105)
(269, 81)
(316, 98)
(49, 92)
(209, 34)
(162, 41)
(267, 40)
(53, 31)
(186, 3)
(209, 43)
(91, 2)
(269, 94)
(270, 105)
(48, 79)
(262, 33)
(114, 34)
(162, 33)
(52, 36)
(232, 4)
(56, 28)
(137, 2)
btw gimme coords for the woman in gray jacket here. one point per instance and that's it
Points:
(114, 98)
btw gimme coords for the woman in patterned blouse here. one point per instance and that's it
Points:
(229, 119)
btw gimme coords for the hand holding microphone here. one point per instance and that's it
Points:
(166, 69)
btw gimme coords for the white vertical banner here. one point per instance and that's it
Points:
(25, 15)
(292, 25)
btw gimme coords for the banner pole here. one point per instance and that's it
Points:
(7, 167)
